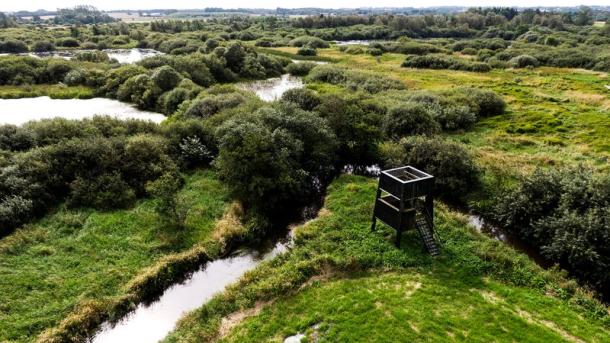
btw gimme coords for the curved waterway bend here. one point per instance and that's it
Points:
(151, 323)
(20, 111)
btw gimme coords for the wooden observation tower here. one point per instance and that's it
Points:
(404, 201)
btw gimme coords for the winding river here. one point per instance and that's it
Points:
(151, 323)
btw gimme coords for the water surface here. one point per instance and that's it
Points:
(515, 242)
(121, 55)
(353, 42)
(272, 89)
(19, 111)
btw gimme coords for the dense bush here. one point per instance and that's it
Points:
(191, 142)
(276, 158)
(307, 51)
(565, 213)
(212, 104)
(357, 130)
(166, 78)
(454, 169)
(372, 83)
(92, 56)
(93, 163)
(103, 192)
(304, 98)
(409, 119)
(444, 62)
(523, 61)
(300, 68)
(13, 46)
(43, 46)
(313, 42)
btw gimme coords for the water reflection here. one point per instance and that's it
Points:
(272, 89)
(518, 244)
(121, 55)
(19, 111)
(352, 42)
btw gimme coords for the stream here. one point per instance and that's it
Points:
(151, 322)
(515, 242)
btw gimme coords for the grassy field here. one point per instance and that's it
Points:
(342, 282)
(52, 91)
(75, 256)
(554, 116)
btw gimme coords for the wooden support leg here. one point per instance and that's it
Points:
(398, 237)
(374, 219)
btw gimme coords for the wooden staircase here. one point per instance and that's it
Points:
(425, 229)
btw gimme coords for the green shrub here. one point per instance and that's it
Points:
(372, 83)
(74, 78)
(69, 43)
(313, 42)
(305, 98)
(374, 52)
(409, 119)
(102, 192)
(169, 205)
(565, 213)
(212, 104)
(92, 56)
(166, 78)
(191, 142)
(43, 46)
(300, 68)
(307, 51)
(13, 46)
(454, 169)
(277, 158)
(14, 211)
(444, 62)
(357, 130)
(169, 102)
(14, 138)
(523, 61)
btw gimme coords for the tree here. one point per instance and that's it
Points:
(584, 16)
(409, 119)
(166, 78)
(277, 158)
(169, 205)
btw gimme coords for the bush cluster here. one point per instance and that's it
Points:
(444, 62)
(455, 172)
(368, 82)
(565, 214)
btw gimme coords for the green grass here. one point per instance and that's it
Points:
(52, 91)
(342, 282)
(555, 115)
(74, 256)
(415, 307)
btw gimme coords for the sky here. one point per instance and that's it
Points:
(10, 5)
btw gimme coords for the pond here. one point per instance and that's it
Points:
(272, 89)
(121, 55)
(20, 111)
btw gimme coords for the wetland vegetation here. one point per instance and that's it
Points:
(509, 110)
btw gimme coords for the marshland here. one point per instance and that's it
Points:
(210, 175)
